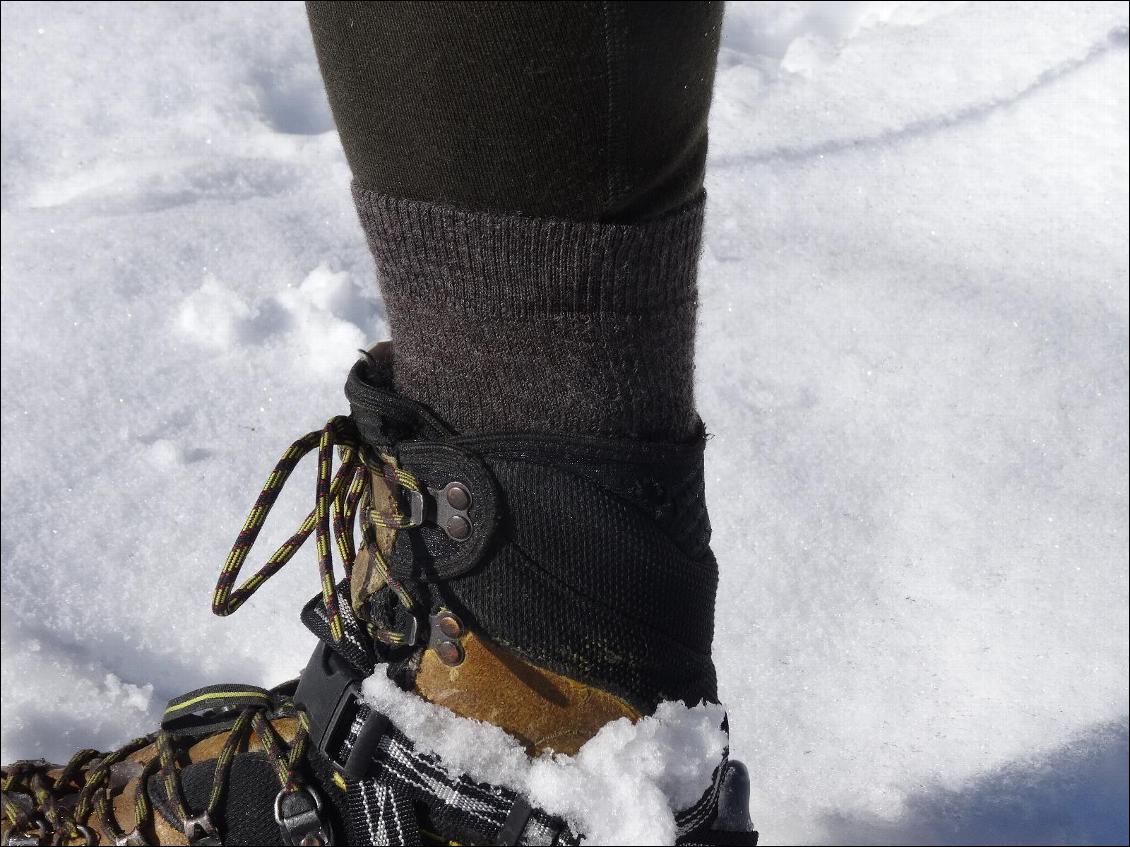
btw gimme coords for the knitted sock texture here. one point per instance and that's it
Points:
(506, 322)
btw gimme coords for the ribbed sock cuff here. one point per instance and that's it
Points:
(501, 321)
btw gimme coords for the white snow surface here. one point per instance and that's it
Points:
(912, 359)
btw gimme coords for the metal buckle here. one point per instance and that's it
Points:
(417, 509)
(304, 826)
(19, 839)
(201, 830)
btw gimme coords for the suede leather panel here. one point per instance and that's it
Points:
(543, 709)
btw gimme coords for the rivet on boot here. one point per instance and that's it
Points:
(458, 497)
(449, 624)
(458, 527)
(450, 510)
(450, 653)
(446, 630)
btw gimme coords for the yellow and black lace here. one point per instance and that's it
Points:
(340, 497)
(64, 802)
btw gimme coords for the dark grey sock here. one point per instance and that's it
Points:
(507, 322)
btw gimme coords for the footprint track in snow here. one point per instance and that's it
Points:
(325, 319)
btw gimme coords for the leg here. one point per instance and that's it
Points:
(579, 111)
(529, 176)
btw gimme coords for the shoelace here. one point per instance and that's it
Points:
(339, 498)
(89, 774)
(342, 494)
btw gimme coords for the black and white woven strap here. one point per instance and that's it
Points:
(399, 795)
(399, 776)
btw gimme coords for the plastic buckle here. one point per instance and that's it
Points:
(514, 826)
(299, 816)
(733, 799)
(369, 734)
(330, 693)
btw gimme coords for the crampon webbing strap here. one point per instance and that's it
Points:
(398, 794)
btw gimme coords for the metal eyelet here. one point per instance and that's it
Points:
(445, 633)
(306, 829)
(39, 837)
(201, 830)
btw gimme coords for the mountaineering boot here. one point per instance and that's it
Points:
(547, 585)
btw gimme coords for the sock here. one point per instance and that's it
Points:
(507, 322)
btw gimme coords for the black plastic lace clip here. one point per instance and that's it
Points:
(330, 693)
(360, 759)
(515, 825)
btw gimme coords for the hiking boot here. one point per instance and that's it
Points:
(541, 586)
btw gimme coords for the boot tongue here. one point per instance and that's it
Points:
(384, 419)
(381, 415)
(366, 579)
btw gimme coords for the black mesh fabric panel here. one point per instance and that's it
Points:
(244, 816)
(600, 566)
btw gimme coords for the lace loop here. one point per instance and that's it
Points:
(90, 774)
(340, 496)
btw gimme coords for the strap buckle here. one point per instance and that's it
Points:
(40, 836)
(330, 693)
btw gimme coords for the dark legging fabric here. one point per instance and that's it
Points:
(574, 110)
(529, 177)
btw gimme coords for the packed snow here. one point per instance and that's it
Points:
(912, 359)
(673, 755)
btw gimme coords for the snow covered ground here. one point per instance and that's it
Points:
(913, 357)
